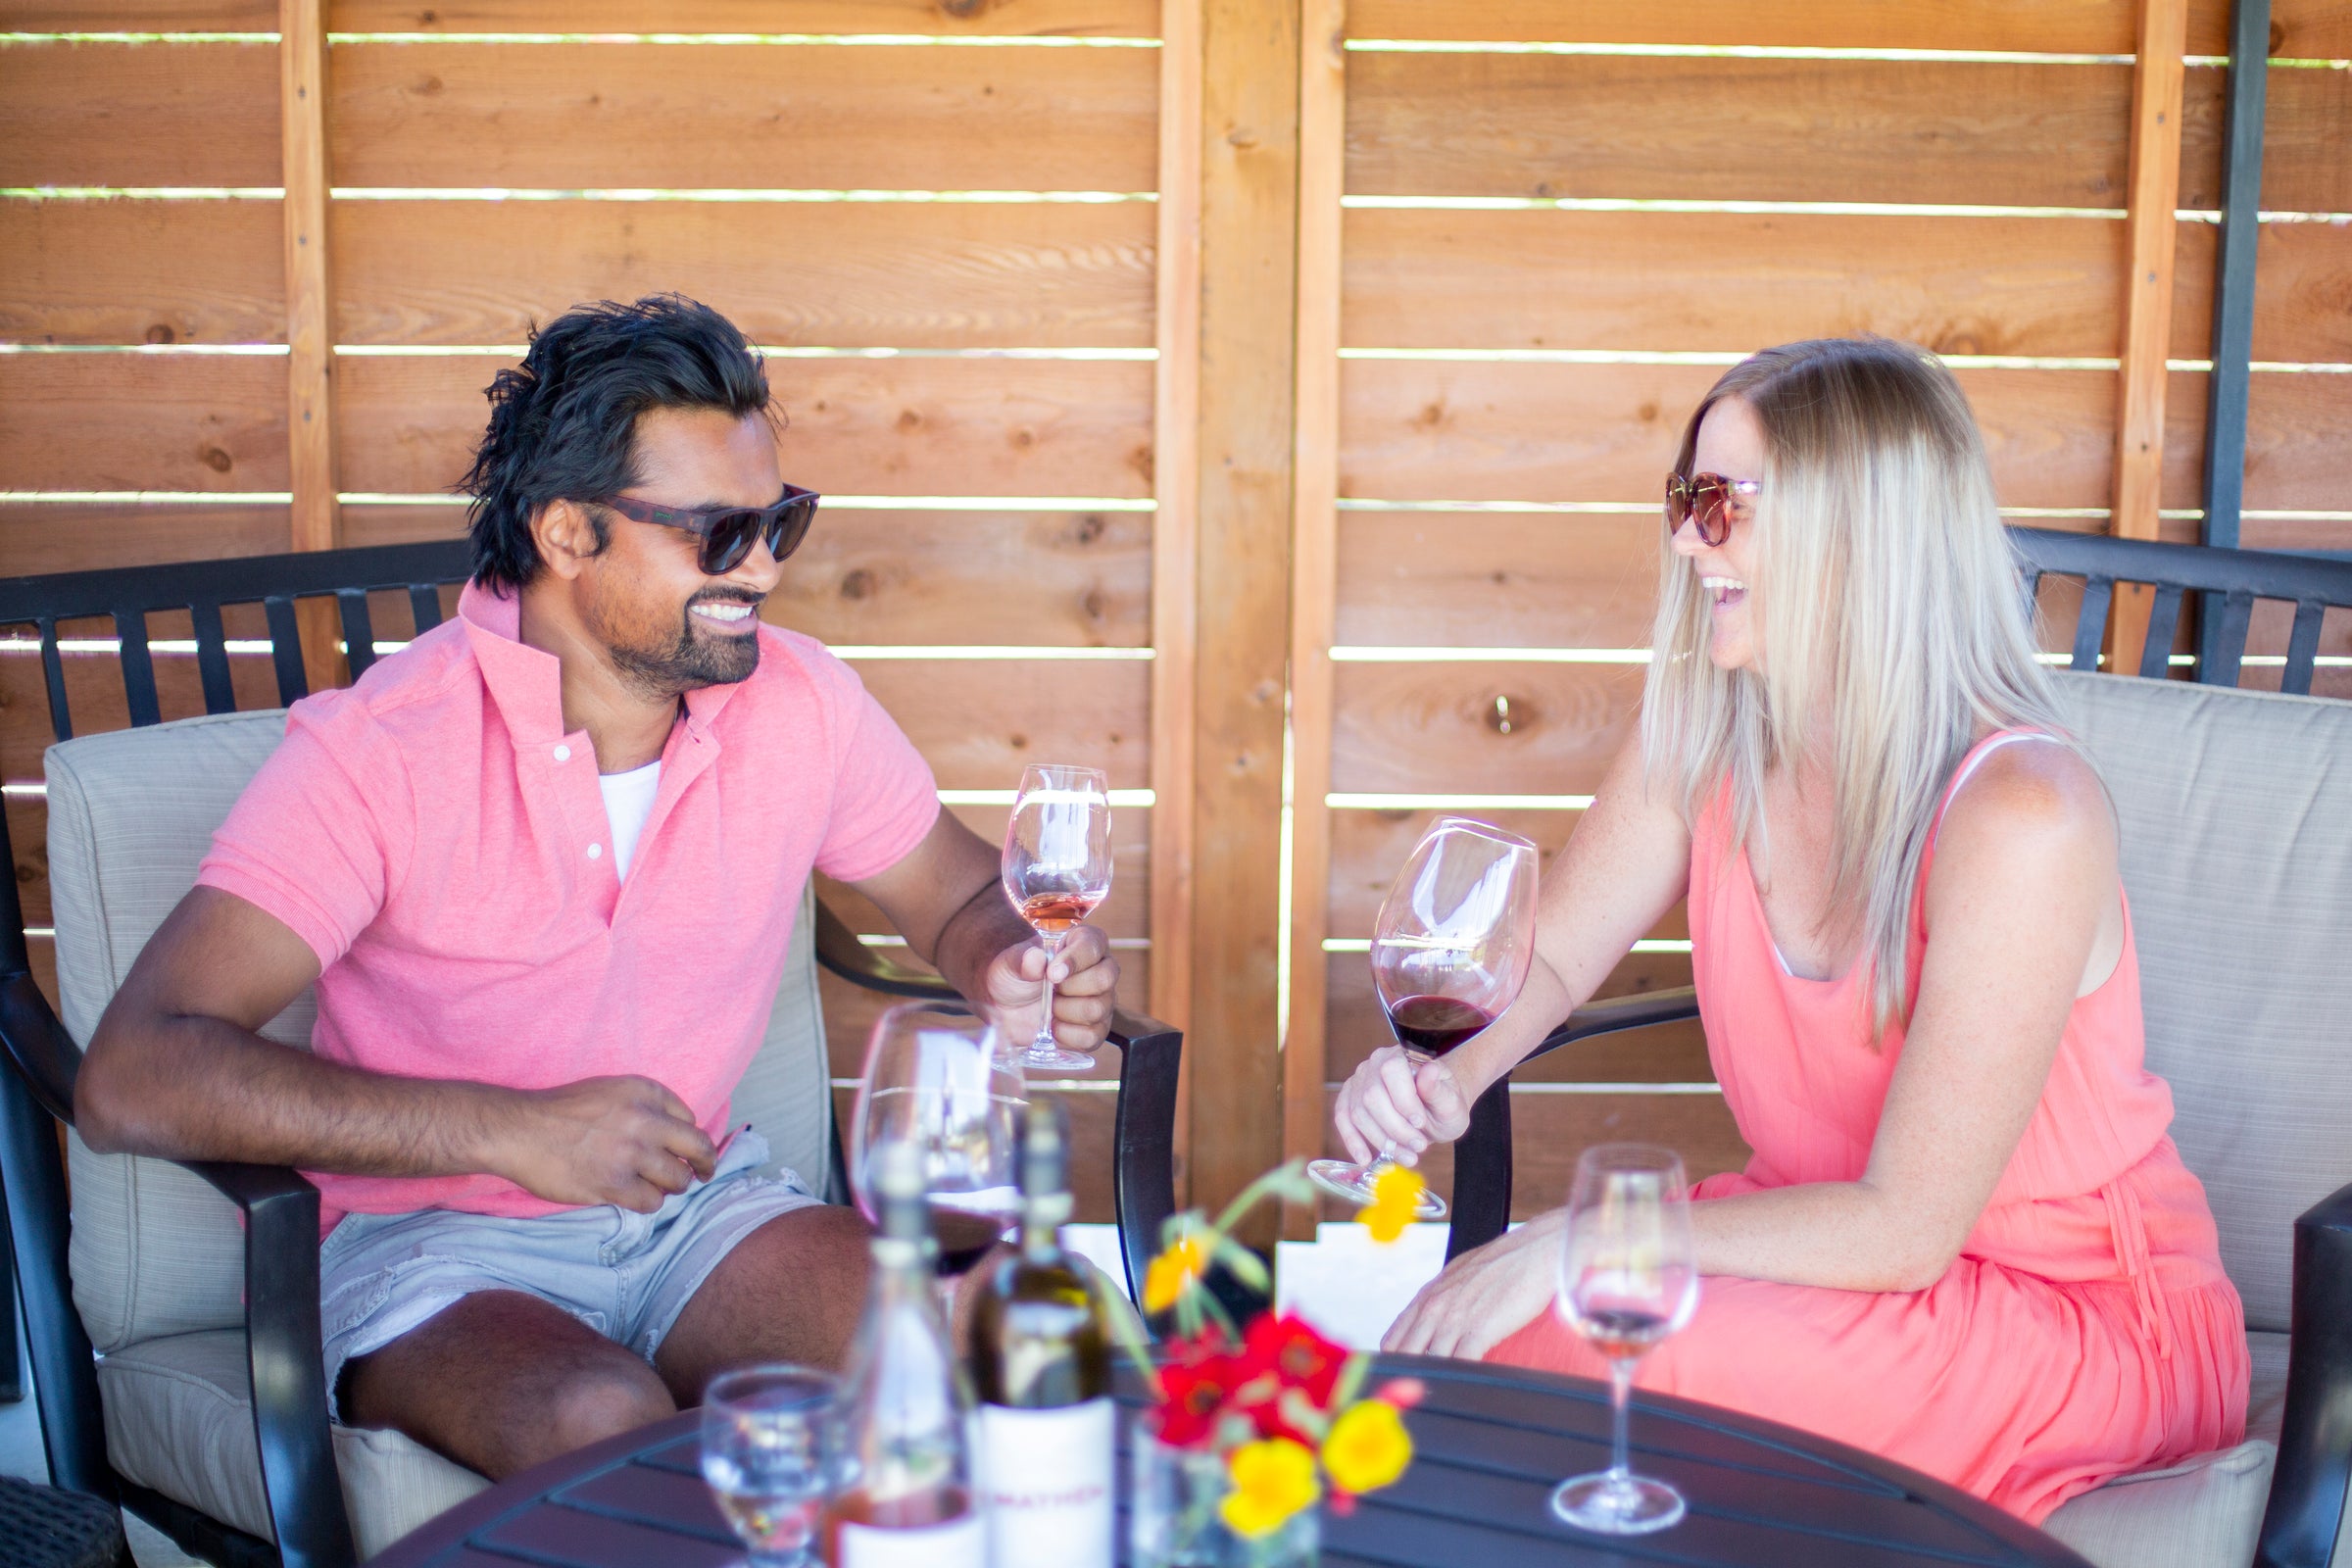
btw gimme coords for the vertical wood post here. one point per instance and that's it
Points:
(1248, 214)
(1175, 534)
(310, 341)
(1314, 572)
(2156, 91)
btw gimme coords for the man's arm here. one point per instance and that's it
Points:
(945, 901)
(175, 1069)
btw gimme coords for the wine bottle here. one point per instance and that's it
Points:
(905, 1497)
(1041, 1365)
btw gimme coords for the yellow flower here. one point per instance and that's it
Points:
(1396, 1202)
(1173, 1271)
(1367, 1447)
(1272, 1480)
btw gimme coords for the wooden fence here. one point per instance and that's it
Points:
(1193, 383)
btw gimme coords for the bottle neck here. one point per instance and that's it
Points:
(1042, 1219)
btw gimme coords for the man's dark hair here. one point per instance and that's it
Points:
(562, 424)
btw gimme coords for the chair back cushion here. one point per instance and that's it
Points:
(155, 1250)
(2237, 819)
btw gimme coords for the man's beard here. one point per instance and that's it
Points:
(687, 662)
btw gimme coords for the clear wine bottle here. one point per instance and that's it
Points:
(1041, 1365)
(903, 1494)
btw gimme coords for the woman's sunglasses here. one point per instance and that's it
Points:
(1711, 501)
(728, 533)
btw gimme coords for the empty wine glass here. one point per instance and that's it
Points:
(938, 1076)
(1450, 949)
(1057, 869)
(766, 1456)
(1627, 1279)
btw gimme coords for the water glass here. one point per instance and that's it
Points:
(766, 1456)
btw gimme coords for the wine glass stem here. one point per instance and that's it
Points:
(1044, 1030)
(1621, 1387)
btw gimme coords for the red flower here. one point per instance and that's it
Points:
(1288, 1346)
(1199, 1386)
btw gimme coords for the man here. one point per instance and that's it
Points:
(542, 866)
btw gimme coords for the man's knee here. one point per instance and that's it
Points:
(592, 1403)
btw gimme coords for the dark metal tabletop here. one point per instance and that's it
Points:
(1491, 1443)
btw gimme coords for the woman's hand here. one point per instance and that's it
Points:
(1484, 1295)
(1395, 1103)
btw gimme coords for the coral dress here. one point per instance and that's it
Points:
(2086, 1329)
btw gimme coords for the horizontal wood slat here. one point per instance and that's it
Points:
(833, 275)
(142, 271)
(976, 724)
(1115, 18)
(955, 427)
(42, 537)
(1651, 127)
(1367, 845)
(2307, 124)
(1497, 579)
(144, 16)
(111, 114)
(1503, 431)
(2302, 294)
(1124, 915)
(2301, 29)
(116, 422)
(1730, 281)
(1550, 1131)
(1436, 727)
(2055, 27)
(730, 116)
(851, 1011)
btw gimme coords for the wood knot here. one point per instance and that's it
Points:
(962, 10)
(1019, 743)
(857, 583)
(909, 419)
(1094, 603)
(1023, 440)
(1087, 529)
(1506, 717)
(215, 459)
(161, 332)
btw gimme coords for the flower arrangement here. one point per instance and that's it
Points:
(1280, 1406)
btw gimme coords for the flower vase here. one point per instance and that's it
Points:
(1174, 1518)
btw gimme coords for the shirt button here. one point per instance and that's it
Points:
(594, 850)
(562, 754)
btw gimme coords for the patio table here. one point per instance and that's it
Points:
(1492, 1442)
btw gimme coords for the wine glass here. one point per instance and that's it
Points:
(1057, 869)
(939, 1076)
(1627, 1279)
(1450, 951)
(766, 1440)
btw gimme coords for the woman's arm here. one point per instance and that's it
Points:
(2023, 890)
(2023, 915)
(1625, 866)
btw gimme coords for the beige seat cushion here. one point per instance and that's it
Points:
(157, 1256)
(180, 1421)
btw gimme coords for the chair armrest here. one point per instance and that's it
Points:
(1482, 1158)
(1144, 1183)
(2315, 1441)
(282, 1348)
(45, 1056)
(839, 949)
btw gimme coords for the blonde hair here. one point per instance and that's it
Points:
(1885, 595)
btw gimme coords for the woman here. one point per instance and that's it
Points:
(1965, 1240)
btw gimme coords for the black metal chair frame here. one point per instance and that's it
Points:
(2315, 1445)
(279, 1208)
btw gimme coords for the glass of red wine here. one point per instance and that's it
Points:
(1450, 951)
(938, 1076)
(1627, 1279)
(1056, 870)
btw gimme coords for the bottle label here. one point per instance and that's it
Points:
(960, 1544)
(1045, 1484)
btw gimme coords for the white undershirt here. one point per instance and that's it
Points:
(628, 801)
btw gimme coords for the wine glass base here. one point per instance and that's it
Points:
(1053, 1058)
(1353, 1184)
(1617, 1506)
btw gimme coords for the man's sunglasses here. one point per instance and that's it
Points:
(1711, 501)
(728, 533)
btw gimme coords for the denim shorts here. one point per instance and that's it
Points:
(625, 1275)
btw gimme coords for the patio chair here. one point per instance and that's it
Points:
(2236, 818)
(207, 1412)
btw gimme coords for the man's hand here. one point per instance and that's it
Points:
(1392, 1103)
(1085, 978)
(622, 1140)
(1484, 1296)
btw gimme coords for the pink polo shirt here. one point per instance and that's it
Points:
(441, 843)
